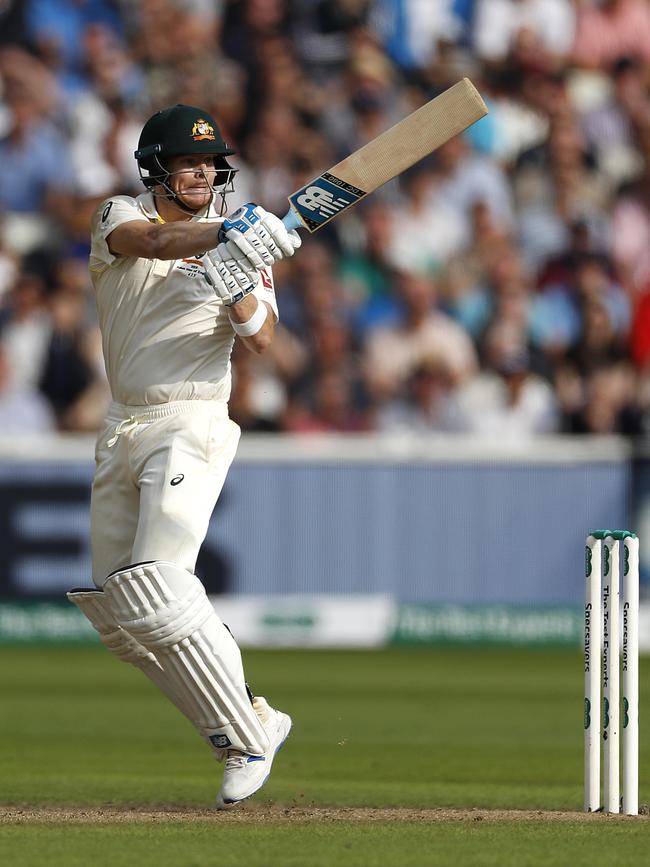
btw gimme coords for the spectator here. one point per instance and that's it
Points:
(557, 317)
(426, 233)
(258, 397)
(393, 352)
(609, 30)
(468, 178)
(630, 230)
(611, 127)
(36, 176)
(502, 27)
(366, 274)
(67, 366)
(26, 330)
(507, 400)
(609, 404)
(23, 412)
(598, 344)
(424, 404)
(317, 293)
(323, 33)
(557, 184)
(333, 409)
(332, 351)
(57, 29)
(411, 31)
(261, 382)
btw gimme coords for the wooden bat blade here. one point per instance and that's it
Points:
(386, 156)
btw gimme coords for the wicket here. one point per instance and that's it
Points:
(602, 641)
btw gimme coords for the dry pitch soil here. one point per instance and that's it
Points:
(278, 813)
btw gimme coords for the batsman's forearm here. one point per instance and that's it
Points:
(177, 240)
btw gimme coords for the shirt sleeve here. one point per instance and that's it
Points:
(265, 290)
(108, 216)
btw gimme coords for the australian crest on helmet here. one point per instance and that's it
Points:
(202, 130)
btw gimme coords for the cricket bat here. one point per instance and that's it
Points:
(385, 157)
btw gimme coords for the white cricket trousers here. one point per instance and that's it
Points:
(159, 472)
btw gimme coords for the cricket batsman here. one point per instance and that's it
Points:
(175, 284)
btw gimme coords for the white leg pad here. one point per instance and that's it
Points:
(165, 608)
(95, 606)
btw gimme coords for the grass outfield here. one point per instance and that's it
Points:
(398, 757)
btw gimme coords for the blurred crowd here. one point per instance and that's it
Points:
(501, 286)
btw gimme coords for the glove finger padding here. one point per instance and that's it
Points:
(243, 278)
(269, 243)
(287, 241)
(229, 282)
(228, 277)
(249, 246)
(231, 256)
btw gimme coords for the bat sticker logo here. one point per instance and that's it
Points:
(324, 198)
(316, 199)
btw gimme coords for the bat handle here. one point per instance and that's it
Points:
(291, 221)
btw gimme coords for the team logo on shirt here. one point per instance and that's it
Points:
(202, 130)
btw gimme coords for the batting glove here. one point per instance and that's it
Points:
(252, 238)
(229, 282)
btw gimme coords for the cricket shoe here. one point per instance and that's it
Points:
(243, 774)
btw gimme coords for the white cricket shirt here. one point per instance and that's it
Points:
(165, 334)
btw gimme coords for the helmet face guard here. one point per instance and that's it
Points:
(182, 130)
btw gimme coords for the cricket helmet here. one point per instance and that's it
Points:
(179, 131)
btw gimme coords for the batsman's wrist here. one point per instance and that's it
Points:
(252, 325)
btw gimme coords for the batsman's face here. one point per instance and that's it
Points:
(192, 178)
